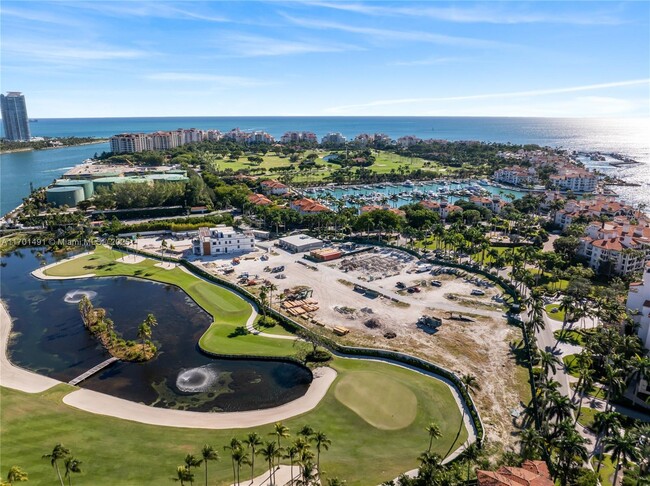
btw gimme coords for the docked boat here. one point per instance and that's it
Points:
(408, 183)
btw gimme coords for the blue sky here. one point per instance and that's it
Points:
(127, 58)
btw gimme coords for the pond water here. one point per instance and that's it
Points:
(49, 338)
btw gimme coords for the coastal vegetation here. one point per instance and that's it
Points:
(7, 146)
(103, 328)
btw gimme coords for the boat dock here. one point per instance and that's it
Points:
(93, 370)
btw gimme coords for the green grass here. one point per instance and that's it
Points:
(112, 451)
(607, 470)
(554, 312)
(396, 409)
(587, 415)
(570, 365)
(120, 452)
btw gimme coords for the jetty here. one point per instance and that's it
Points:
(93, 370)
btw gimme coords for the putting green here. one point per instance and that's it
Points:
(382, 402)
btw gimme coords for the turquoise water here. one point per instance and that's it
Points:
(630, 137)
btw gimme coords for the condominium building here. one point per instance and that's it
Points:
(408, 141)
(575, 179)
(616, 247)
(297, 137)
(126, 143)
(333, 138)
(638, 302)
(14, 116)
(516, 175)
(222, 240)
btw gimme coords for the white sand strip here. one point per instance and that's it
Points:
(99, 403)
(166, 265)
(12, 376)
(131, 259)
(40, 272)
(282, 475)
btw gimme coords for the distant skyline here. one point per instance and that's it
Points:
(285, 58)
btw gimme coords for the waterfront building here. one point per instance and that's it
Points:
(575, 179)
(259, 136)
(308, 206)
(14, 116)
(222, 240)
(274, 187)
(127, 143)
(516, 175)
(213, 135)
(616, 247)
(494, 204)
(408, 141)
(333, 138)
(297, 137)
(444, 209)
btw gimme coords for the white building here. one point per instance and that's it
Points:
(296, 137)
(638, 302)
(222, 240)
(333, 139)
(616, 248)
(516, 175)
(126, 143)
(576, 180)
(408, 141)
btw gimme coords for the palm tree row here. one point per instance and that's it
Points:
(71, 464)
(244, 451)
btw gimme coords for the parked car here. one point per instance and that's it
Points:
(477, 292)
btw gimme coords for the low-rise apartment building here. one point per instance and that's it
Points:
(222, 240)
(516, 175)
(274, 187)
(308, 206)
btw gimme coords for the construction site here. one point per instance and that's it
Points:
(387, 298)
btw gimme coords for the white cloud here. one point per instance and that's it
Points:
(487, 96)
(167, 10)
(213, 79)
(384, 35)
(429, 61)
(490, 13)
(256, 46)
(51, 51)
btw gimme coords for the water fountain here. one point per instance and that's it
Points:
(75, 296)
(196, 380)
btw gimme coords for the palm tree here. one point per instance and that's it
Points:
(434, 433)
(235, 444)
(58, 453)
(72, 465)
(471, 454)
(532, 443)
(309, 474)
(192, 461)
(271, 287)
(280, 431)
(570, 446)
(270, 451)
(240, 457)
(263, 296)
(306, 431)
(290, 453)
(623, 449)
(253, 440)
(321, 441)
(209, 454)
(549, 361)
(16, 474)
(144, 333)
(605, 423)
(183, 474)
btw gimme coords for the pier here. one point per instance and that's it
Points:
(93, 370)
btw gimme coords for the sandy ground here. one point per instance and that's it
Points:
(12, 376)
(480, 348)
(131, 259)
(283, 475)
(101, 404)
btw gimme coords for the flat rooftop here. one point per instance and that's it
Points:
(300, 240)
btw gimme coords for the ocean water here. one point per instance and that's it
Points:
(630, 137)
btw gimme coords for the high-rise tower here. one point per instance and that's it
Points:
(14, 116)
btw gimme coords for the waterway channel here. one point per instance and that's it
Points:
(48, 337)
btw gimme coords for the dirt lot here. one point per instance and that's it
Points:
(479, 346)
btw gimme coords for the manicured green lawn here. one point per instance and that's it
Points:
(607, 470)
(554, 312)
(396, 409)
(120, 452)
(587, 416)
(399, 402)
